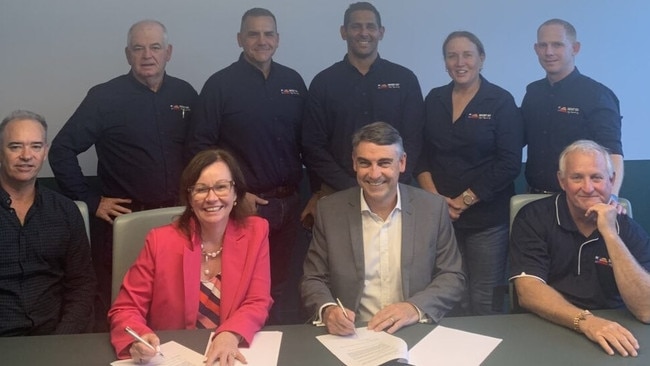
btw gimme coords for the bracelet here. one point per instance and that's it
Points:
(582, 315)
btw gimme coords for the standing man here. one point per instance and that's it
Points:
(47, 285)
(386, 250)
(572, 252)
(253, 108)
(564, 107)
(137, 123)
(360, 89)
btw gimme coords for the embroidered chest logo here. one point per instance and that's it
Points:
(387, 86)
(479, 116)
(182, 108)
(289, 92)
(602, 261)
(568, 110)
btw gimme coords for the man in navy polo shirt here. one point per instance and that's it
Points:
(361, 89)
(572, 252)
(566, 106)
(253, 108)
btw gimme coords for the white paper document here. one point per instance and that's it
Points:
(366, 348)
(175, 355)
(447, 346)
(264, 350)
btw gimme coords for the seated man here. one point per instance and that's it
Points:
(386, 250)
(47, 282)
(571, 253)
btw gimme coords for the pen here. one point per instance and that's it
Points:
(345, 314)
(137, 337)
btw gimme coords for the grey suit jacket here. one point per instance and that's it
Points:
(432, 277)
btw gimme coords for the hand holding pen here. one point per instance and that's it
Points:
(338, 321)
(143, 350)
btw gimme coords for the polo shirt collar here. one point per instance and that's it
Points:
(376, 64)
(245, 64)
(568, 79)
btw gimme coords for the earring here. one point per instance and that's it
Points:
(235, 203)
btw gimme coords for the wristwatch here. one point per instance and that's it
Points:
(468, 199)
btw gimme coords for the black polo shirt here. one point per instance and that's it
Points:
(574, 108)
(342, 100)
(138, 135)
(258, 120)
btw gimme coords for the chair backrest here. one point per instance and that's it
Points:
(520, 200)
(627, 204)
(129, 232)
(83, 208)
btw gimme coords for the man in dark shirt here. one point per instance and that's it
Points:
(564, 107)
(137, 123)
(571, 253)
(47, 283)
(253, 108)
(361, 89)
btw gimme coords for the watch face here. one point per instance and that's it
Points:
(467, 199)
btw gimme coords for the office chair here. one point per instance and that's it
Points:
(83, 208)
(129, 232)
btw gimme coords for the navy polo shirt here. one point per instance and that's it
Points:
(258, 120)
(574, 108)
(342, 100)
(545, 243)
(138, 135)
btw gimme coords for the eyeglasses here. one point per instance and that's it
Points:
(221, 188)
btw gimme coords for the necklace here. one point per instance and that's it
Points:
(208, 256)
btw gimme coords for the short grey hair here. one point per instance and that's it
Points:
(19, 115)
(586, 147)
(129, 35)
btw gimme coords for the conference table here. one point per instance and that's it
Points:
(527, 340)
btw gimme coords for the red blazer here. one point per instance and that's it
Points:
(161, 290)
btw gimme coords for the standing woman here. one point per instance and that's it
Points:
(208, 269)
(472, 154)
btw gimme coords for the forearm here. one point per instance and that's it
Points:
(632, 280)
(426, 182)
(545, 301)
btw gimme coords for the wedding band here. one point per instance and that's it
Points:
(392, 321)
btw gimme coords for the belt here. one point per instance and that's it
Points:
(278, 192)
(539, 191)
(143, 206)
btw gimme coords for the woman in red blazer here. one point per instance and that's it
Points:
(216, 245)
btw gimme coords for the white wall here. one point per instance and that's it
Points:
(52, 52)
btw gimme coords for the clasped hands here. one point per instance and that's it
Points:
(391, 318)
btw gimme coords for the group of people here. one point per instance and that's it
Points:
(382, 251)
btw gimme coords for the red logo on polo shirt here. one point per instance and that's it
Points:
(479, 116)
(603, 261)
(387, 86)
(289, 92)
(568, 110)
